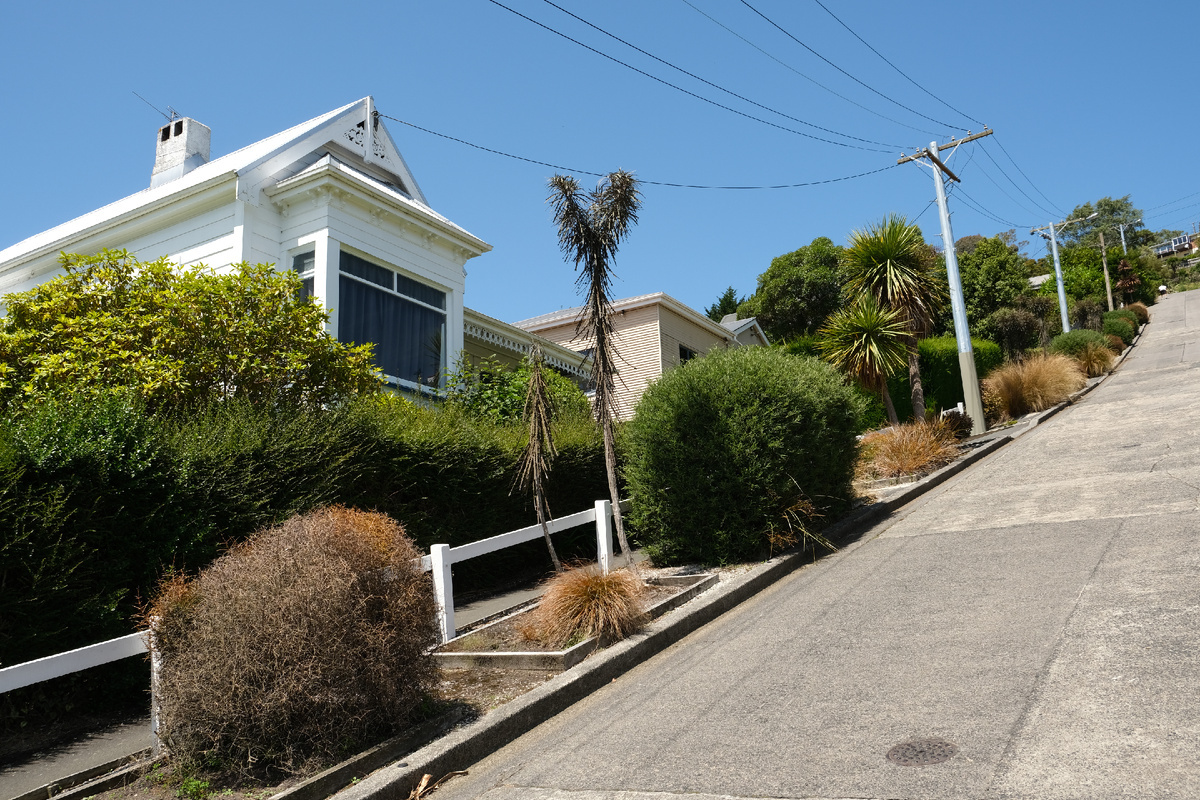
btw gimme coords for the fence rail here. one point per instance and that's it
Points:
(439, 561)
(44, 669)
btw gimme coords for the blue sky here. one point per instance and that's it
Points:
(1089, 99)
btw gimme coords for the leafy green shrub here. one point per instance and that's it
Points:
(1035, 384)
(1140, 310)
(489, 388)
(940, 374)
(174, 337)
(1087, 314)
(1073, 343)
(1127, 315)
(305, 641)
(1123, 328)
(721, 448)
(1015, 330)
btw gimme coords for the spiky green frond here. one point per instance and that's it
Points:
(866, 341)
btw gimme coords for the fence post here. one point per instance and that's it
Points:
(155, 671)
(443, 589)
(604, 535)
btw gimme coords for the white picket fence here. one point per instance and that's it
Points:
(439, 562)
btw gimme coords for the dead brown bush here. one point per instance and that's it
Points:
(1035, 384)
(1116, 344)
(298, 646)
(908, 449)
(583, 602)
(1143, 313)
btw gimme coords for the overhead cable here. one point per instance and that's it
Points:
(681, 89)
(1016, 186)
(640, 180)
(811, 80)
(893, 66)
(1000, 144)
(847, 74)
(713, 85)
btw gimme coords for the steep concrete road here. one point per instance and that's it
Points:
(1040, 613)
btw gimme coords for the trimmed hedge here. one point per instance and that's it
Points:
(98, 501)
(1119, 326)
(940, 376)
(721, 447)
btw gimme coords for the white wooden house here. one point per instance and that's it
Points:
(331, 198)
(653, 332)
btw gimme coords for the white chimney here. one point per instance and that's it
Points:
(183, 145)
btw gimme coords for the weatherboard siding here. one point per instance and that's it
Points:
(676, 330)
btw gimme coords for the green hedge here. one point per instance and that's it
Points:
(940, 376)
(1118, 326)
(98, 500)
(1075, 342)
(719, 448)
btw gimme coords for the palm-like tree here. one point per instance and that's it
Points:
(590, 227)
(890, 261)
(534, 465)
(867, 342)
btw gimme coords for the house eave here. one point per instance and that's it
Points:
(336, 177)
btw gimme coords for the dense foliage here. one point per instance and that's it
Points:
(726, 454)
(940, 372)
(993, 275)
(798, 291)
(489, 388)
(174, 337)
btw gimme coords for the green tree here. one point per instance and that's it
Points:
(1082, 272)
(590, 227)
(993, 275)
(869, 343)
(727, 303)
(489, 388)
(174, 337)
(798, 291)
(890, 261)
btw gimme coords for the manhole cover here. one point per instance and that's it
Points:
(920, 752)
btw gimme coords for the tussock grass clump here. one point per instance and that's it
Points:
(1095, 359)
(1034, 384)
(1143, 313)
(584, 602)
(908, 449)
(299, 645)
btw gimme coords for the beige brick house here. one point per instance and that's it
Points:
(654, 332)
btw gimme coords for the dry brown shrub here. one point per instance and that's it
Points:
(296, 647)
(1116, 344)
(583, 602)
(1143, 313)
(1095, 359)
(908, 449)
(1035, 384)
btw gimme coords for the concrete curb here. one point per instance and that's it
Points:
(116, 775)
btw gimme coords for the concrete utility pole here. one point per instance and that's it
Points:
(1053, 237)
(1104, 261)
(958, 307)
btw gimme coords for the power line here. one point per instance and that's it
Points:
(847, 74)
(811, 80)
(710, 83)
(681, 89)
(1023, 207)
(560, 168)
(1000, 144)
(893, 66)
(977, 206)
(1015, 186)
(1173, 202)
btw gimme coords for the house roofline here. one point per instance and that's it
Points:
(568, 315)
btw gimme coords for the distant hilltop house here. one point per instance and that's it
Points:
(654, 332)
(1180, 244)
(331, 198)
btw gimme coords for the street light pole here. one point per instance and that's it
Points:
(1124, 249)
(1062, 292)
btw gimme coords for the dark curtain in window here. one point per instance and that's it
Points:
(407, 337)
